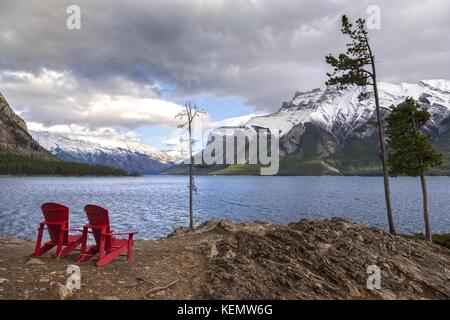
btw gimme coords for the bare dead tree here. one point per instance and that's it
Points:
(190, 112)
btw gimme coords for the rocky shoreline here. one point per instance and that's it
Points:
(326, 259)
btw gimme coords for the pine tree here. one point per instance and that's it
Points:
(350, 70)
(410, 149)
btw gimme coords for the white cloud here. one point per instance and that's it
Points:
(171, 142)
(53, 98)
(45, 82)
(131, 111)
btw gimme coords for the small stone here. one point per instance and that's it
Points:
(213, 251)
(416, 287)
(230, 254)
(35, 261)
(111, 298)
(62, 292)
(3, 280)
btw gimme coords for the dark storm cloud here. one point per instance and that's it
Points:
(262, 51)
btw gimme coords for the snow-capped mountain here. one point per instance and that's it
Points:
(341, 112)
(127, 155)
(330, 131)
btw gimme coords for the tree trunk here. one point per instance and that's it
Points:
(387, 191)
(191, 185)
(425, 208)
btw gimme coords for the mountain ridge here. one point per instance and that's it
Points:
(130, 156)
(14, 135)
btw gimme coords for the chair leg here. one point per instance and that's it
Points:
(84, 240)
(130, 249)
(101, 249)
(38, 241)
(59, 246)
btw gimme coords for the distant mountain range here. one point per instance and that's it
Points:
(331, 132)
(20, 154)
(22, 151)
(323, 132)
(130, 156)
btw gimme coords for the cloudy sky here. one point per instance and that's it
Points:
(132, 63)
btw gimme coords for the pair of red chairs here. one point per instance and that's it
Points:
(107, 246)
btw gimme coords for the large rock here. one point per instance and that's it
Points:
(322, 260)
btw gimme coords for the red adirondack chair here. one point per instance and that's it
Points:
(106, 245)
(56, 219)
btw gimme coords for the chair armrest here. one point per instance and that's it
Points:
(51, 223)
(120, 233)
(73, 229)
(92, 227)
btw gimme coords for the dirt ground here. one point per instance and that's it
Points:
(155, 264)
(325, 259)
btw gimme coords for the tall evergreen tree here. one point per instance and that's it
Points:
(357, 67)
(410, 149)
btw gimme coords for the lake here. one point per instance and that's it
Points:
(155, 205)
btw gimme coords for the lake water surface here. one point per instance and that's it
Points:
(155, 205)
